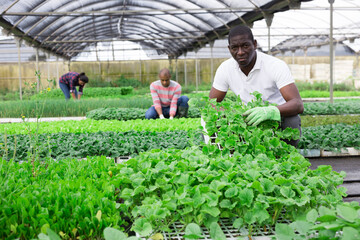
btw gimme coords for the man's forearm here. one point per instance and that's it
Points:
(73, 95)
(291, 108)
(159, 111)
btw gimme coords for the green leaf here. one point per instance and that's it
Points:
(44, 228)
(252, 174)
(312, 215)
(260, 212)
(193, 231)
(287, 192)
(43, 236)
(113, 234)
(238, 223)
(326, 218)
(216, 232)
(246, 197)
(267, 185)
(350, 233)
(231, 192)
(213, 211)
(52, 235)
(284, 232)
(326, 211)
(302, 227)
(142, 226)
(347, 213)
(256, 185)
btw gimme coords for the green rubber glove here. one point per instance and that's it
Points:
(259, 114)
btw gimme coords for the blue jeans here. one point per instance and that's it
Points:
(152, 114)
(66, 90)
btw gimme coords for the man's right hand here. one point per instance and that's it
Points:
(161, 116)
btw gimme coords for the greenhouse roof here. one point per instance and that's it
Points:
(171, 27)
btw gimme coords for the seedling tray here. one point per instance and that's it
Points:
(265, 232)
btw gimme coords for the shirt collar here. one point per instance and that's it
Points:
(257, 63)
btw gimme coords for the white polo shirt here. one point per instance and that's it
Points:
(268, 76)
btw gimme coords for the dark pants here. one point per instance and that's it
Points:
(66, 90)
(292, 122)
(152, 114)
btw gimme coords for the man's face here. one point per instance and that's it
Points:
(242, 49)
(165, 80)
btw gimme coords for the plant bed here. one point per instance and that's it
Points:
(266, 232)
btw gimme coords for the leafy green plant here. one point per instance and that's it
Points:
(75, 199)
(339, 222)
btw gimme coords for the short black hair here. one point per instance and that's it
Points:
(83, 77)
(241, 30)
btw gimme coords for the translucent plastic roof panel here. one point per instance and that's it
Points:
(171, 27)
(310, 25)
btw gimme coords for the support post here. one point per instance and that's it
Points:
(18, 43)
(113, 51)
(331, 53)
(211, 62)
(196, 72)
(37, 70)
(140, 77)
(57, 68)
(305, 55)
(185, 70)
(48, 66)
(268, 19)
(176, 69)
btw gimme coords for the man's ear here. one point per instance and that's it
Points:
(255, 44)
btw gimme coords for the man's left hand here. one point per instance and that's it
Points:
(260, 114)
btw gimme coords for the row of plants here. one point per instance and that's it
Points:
(326, 94)
(336, 108)
(320, 120)
(80, 145)
(323, 86)
(88, 93)
(332, 137)
(62, 108)
(124, 114)
(323, 108)
(92, 126)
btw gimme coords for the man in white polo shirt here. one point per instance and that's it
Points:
(249, 70)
